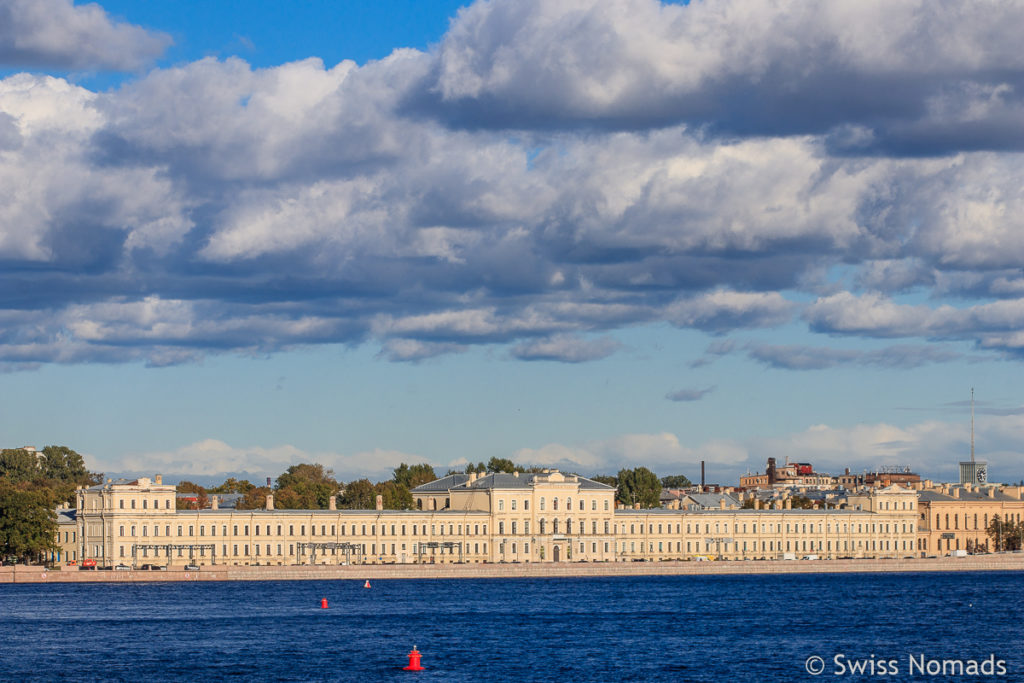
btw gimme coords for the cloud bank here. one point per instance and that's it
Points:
(546, 175)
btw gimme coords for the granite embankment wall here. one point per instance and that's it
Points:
(998, 562)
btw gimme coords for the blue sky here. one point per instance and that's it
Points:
(238, 236)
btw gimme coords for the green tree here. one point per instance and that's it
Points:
(479, 468)
(305, 487)
(411, 477)
(606, 479)
(359, 495)
(63, 464)
(254, 499)
(28, 521)
(1005, 534)
(18, 465)
(639, 485)
(232, 485)
(395, 496)
(497, 464)
(676, 481)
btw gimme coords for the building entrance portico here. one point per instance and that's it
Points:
(555, 553)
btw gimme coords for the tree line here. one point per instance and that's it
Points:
(33, 484)
(310, 487)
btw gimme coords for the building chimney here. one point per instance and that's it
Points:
(270, 501)
(158, 479)
(956, 492)
(702, 476)
(214, 502)
(991, 491)
(721, 503)
(789, 504)
(380, 502)
(515, 473)
(332, 503)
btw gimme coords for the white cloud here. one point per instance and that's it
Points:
(57, 33)
(211, 458)
(566, 348)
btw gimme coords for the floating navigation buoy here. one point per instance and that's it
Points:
(323, 603)
(367, 584)
(414, 658)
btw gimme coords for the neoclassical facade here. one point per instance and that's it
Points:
(519, 517)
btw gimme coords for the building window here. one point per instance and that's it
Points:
(526, 504)
(542, 503)
(513, 504)
(501, 506)
(121, 504)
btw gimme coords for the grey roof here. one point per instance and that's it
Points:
(933, 496)
(66, 515)
(712, 500)
(499, 480)
(525, 480)
(113, 482)
(443, 484)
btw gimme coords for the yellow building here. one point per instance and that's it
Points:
(956, 517)
(519, 517)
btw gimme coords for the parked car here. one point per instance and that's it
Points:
(191, 568)
(122, 568)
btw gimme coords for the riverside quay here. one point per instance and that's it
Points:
(519, 517)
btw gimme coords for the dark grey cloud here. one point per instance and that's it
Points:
(798, 357)
(214, 207)
(897, 78)
(59, 34)
(687, 395)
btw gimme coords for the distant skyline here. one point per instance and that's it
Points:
(239, 236)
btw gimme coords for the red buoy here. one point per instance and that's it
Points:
(367, 584)
(414, 661)
(323, 603)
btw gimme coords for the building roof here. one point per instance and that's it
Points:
(712, 500)
(965, 495)
(66, 515)
(506, 480)
(443, 484)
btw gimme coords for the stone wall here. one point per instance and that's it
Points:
(32, 574)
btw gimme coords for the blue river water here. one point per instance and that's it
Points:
(894, 627)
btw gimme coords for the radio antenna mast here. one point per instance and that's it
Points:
(972, 424)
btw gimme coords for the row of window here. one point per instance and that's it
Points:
(354, 530)
(200, 551)
(737, 528)
(771, 546)
(1010, 517)
(145, 504)
(554, 504)
(555, 527)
